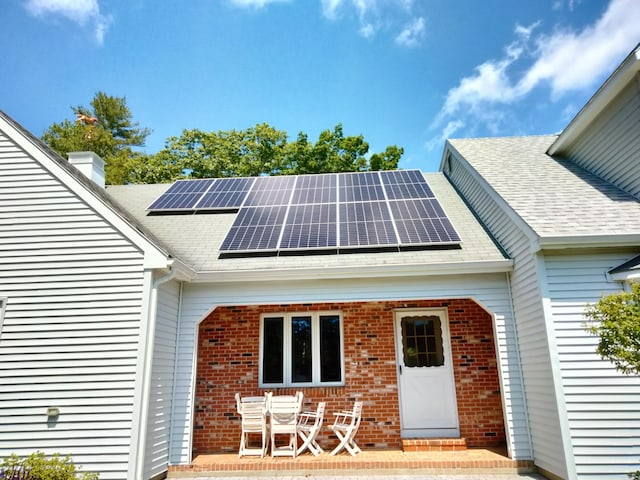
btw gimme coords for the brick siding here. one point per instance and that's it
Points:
(228, 362)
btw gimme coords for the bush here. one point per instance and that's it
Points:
(38, 467)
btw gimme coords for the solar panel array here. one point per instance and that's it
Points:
(323, 213)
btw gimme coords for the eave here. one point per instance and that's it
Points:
(356, 271)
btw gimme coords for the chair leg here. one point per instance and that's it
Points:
(343, 441)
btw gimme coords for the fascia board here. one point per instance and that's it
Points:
(600, 100)
(461, 268)
(154, 255)
(588, 241)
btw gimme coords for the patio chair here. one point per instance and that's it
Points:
(253, 414)
(309, 425)
(345, 428)
(283, 413)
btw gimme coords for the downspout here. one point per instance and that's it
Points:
(146, 370)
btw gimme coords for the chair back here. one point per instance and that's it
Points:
(284, 409)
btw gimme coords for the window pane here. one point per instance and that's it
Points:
(273, 360)
(422, 341)
(301, 364)
(330, 360)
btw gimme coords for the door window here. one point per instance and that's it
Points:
(422, 341)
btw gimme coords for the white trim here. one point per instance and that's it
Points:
(377, 271)
(287, 341)
(556, 373)
(587, 241)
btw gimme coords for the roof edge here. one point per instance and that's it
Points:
(598, 102)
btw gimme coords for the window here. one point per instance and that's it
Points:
(301, 349)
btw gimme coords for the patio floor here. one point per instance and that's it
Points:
(470, 461)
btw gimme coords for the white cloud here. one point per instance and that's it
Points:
(447, 132)
(412, 34)
(573, 61)
(374, 16)
(563, 60)
(254, 3)
(82, 12)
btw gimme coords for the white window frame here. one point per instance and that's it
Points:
(315, 343)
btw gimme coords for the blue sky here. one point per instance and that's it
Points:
(404, 72)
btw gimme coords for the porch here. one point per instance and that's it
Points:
(373, 462)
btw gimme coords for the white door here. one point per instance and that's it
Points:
(425, 372)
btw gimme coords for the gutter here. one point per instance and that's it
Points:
(587, 241)
(375, 271)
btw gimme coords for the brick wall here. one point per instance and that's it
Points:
(228, 361)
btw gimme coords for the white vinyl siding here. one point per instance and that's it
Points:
(610, 146)
(529, 332)
(70, 336)
(602, 404)
(199, 299)
(162, 378)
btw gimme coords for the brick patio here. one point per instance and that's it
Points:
(470, 461)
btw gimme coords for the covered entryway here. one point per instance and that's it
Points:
(425, 374)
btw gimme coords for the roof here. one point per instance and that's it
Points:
(196, 240)
(553, 195)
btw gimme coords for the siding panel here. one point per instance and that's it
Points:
(71, 329)
(602, 404)
(610, 146)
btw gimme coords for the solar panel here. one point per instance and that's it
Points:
(226, 193)
(366, 224)
(360, 187)
(271, 191)
(315, 189)
(182, 195)
(422, 221)
(255, 229)
(310, 226)
(326, 212)
(405, 184)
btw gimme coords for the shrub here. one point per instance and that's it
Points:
(38, 467)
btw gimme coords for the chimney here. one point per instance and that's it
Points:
(90, 164)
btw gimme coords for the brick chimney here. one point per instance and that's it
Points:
(90, 164)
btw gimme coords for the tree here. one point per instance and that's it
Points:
(259, 150)
(106, 128)
(615, 319)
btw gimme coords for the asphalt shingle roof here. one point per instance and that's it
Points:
(553, 195)
(195, 239)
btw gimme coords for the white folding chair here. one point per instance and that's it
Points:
(283, 414)
(309, 425)
(253, 420)
(345, 428)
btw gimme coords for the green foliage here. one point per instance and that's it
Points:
(259, 150)
(106, 128)
(38, 467)
(615, 319)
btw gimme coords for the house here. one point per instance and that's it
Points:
(125, 330)
(566, 209)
